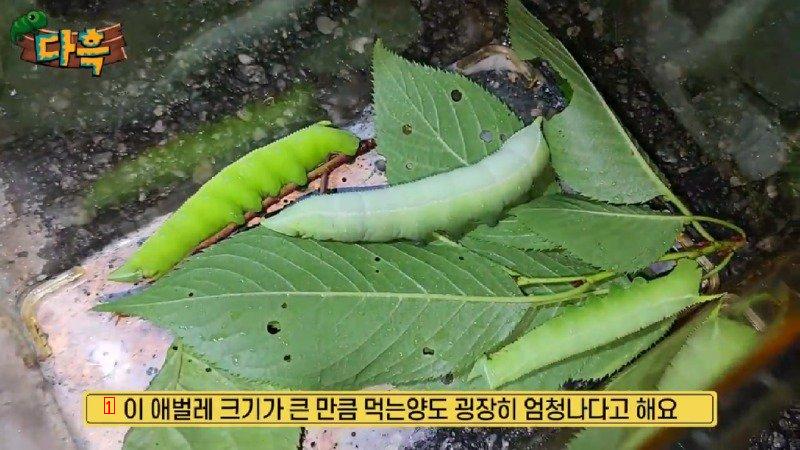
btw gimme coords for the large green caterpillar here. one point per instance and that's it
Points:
(445, 202)
(237, 189)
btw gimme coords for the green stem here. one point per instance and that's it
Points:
(571, 294)
(719, 266)
(714, 247)
(724, 223)
(526, 281)
(672, 198)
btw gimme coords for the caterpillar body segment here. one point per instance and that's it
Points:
(445, 202)
(236, 190)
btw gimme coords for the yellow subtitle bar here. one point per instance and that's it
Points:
(402, 408)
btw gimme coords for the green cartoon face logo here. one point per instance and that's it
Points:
(27, 23)
(90, 48)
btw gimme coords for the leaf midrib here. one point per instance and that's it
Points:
(611, 214)
(338, 294)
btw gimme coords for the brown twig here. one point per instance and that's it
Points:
(713, 282)
(320, 172)
(323, 180)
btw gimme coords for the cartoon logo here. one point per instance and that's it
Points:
(91, 48)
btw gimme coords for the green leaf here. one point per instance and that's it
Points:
(183, 370)
(593, 364)
(595, 322)
(533, 264)
(693, 358)
(422, 130)
(509, 232)
(343, 315)
(642, 375)
(539, 264)
(620, 238)
(591, 150)
(715, 347)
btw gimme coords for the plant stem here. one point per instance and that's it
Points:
(672, 198)
(714, 247)
(526, 281)
(719, 266)
(724, 223)
(571, 294)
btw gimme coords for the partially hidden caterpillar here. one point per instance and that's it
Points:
(27, 23)
(447, 202)
(237, 189)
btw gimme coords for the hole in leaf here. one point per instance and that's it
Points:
(377, 271)
(191, 294)
(377, 259)
(208, 369)
(409, 165)
(273, 327)
(455, 94)
(174, 347)
(460, 258)
(486, 136)
(427, 351)
(344, 179)
(407, 129)
(503, 137)
(448, 378)
(287, 358)
(284, 305)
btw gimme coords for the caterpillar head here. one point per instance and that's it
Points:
(36, 19)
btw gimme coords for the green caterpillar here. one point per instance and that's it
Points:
(235, 190)
(27, 23)
(445, 202)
